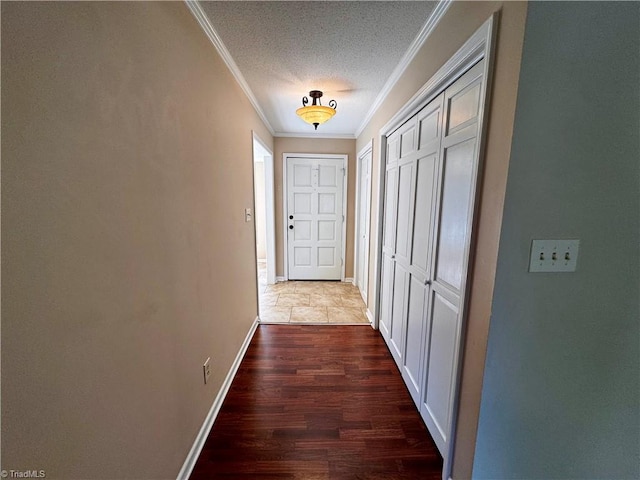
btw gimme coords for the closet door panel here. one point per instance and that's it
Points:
(416, 329)
(404, 220)
(398, 313)
(439, 381)
(424, 210)
(454, 211)
(408, 140)
(429, 126)
(386, 296)
(390, 210)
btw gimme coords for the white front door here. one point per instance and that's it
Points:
(314, 218)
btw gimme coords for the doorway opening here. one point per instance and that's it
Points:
(264, 214)
(363, 219)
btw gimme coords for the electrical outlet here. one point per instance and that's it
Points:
(207, 369)
(554, 255)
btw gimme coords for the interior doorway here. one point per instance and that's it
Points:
(363, 219)
(264, 213)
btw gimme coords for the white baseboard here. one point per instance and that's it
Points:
(370, 316)
(348, 280)
(194, 453)
(280, 279)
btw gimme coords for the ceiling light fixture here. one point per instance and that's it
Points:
(315, 114)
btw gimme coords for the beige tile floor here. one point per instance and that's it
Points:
(309, 302)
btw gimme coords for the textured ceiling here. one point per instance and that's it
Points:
(346, 49)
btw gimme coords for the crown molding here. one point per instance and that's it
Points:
(335, 136)
(202, 19)
(415, 46)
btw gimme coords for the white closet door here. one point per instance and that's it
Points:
(401, 256)
(389, 236)
(451, 250)
(429, 126)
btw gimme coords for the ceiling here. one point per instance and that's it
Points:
(279, 51)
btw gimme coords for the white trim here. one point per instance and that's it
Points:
(349, 280)
(270, 208)
(377, 251)
(202, 19)
(194, 453)
(345, 166)
(370, 316)
(367, 150)
(480, 45)
(338, 136)
(471, 52)
(416, 45)
(280, 279)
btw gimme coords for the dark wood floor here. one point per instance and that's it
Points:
(318, 402)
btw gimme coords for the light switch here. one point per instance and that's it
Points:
(247, 215)
(554, 255)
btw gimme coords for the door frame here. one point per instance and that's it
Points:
(481, 45)
(366, 152)
(260, 148)
(345, 165)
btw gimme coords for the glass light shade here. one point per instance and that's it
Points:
(315, 114)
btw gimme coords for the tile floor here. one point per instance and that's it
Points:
(309, 302)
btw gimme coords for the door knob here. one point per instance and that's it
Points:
(427, 282)
(392, 257)
(290, 217)
(290, 227)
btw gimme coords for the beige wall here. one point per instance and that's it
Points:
(459, 23)
(315, 145)
(126, 167)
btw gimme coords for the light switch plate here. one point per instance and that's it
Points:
(554, 255)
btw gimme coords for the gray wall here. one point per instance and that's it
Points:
(560, 393)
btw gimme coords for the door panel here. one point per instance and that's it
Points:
(386, 296)
(398, 312)
(424, 209)
(314, 218)
(404, 220)
(416, 326)
(429, 126)
(456, 194)
(444, 328)
(407, 139)
(390, 210)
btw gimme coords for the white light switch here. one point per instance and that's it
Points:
(554, 255)
(247, 215)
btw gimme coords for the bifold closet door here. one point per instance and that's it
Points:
(389, 236)
(430, 176)
(400, 177)
(459, 167)
(425, 187)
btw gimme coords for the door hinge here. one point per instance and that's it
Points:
(342, 261)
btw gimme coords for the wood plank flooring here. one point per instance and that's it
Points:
(318, 402)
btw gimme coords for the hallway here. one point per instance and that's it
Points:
(318, 402)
